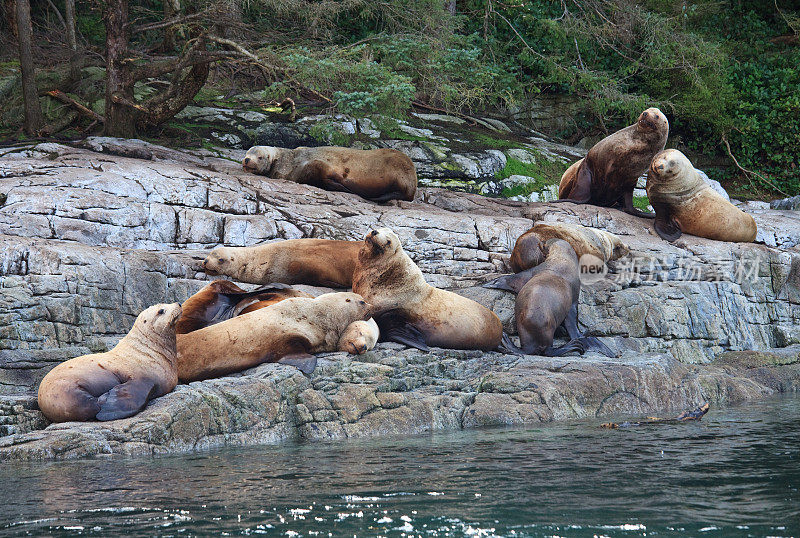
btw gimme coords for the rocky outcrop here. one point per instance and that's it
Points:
(93, 235)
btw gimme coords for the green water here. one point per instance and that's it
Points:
(736, 473)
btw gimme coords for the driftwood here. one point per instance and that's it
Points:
(696, 414)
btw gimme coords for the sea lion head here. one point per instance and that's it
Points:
(668, 164)
(380, 242)
(218, 260)
(653, 120)
(160, 318)
(260, 159)
(347, 306)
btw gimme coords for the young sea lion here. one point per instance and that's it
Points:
(317, 262)
(375, 174)
(359, 337)
(222, 299)
(120, 382)
(685, 203)
(601, 244)
(547, 298)
(608, 174)
(411, 311)
(287, 332)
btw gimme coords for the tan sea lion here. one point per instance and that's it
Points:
(287, 332)
(375, 174)
(317, 262)
(547, 298)
(120, 382)
(359, 337)
(685, 203)
(222, 299)
(411, 311)
(607, 175)
(601, 244)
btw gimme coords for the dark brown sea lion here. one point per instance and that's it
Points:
(547, 298)
(375, 174)
(317, 262)
(607, 175)
(222, 299)
(685, 203)
(120, 382)
(411, 311)
(288, 332)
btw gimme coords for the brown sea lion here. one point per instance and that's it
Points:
(685, 203)
(547, 298)
(607, 175)
(120, 382)
(287, 332)
(601, 244)
(411, 311)
(317, 262)
(222, 299)
(375, 174)
(359, 337)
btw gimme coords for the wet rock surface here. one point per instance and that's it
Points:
(93, 235)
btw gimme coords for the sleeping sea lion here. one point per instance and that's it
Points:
(601, 244)
(120, 382)
(222, 299)
(375, 174)
(411, 311)
(317, 262)
(359, 337)
(685, 203)
(547, 298)
(288, 332)
(607, 175)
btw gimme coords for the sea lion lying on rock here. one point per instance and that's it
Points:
(411, 311)
(120, 382)
(317, 262)
(607, 175)
(683, 202)
(288, 332)
(359, 337)
(600, 244)
(374, 174)
(547, 298)
(222, 299)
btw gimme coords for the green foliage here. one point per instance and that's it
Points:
(641, 202)
(545, 171)
(330, 133)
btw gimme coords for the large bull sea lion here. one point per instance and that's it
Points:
(374, 174)
(120, 382)
(683, 202)
(411, 311)
(608, 174)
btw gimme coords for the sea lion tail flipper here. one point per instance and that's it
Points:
(696, 414)
(573, 346)
(591, 343)
(513, 283)
(667, 227)
(304, 362)
(507, 345)
(125, 400)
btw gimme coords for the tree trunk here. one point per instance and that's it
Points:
(171, 9)
(33, 109)
(72, 41)
(121, 115)
(184, 92)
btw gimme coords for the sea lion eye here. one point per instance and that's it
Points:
(347, 300)
(161, 311)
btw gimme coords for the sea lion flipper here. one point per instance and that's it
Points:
(321, 174)
(394, 327)
(513, 283)
(591, 343)
(507, 346)
(125, 400)
(393, 195)
(572, 346)
(628, 207)
(667, 227)
(304, 362)
(571, 321)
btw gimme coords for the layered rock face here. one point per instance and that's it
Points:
(93, 235)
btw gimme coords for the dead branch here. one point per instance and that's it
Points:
(64, 98)
(167, 23)
(747, 172)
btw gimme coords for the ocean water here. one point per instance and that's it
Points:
(735, 473)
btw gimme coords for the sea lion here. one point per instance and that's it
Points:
(375, 174)
(608, 174)
(222, 299)
(547, 298)
(120, 382)
(359, 337)
(604, 246)
(411, 311)
(317, 262)
(685, 203)
(287, 332)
